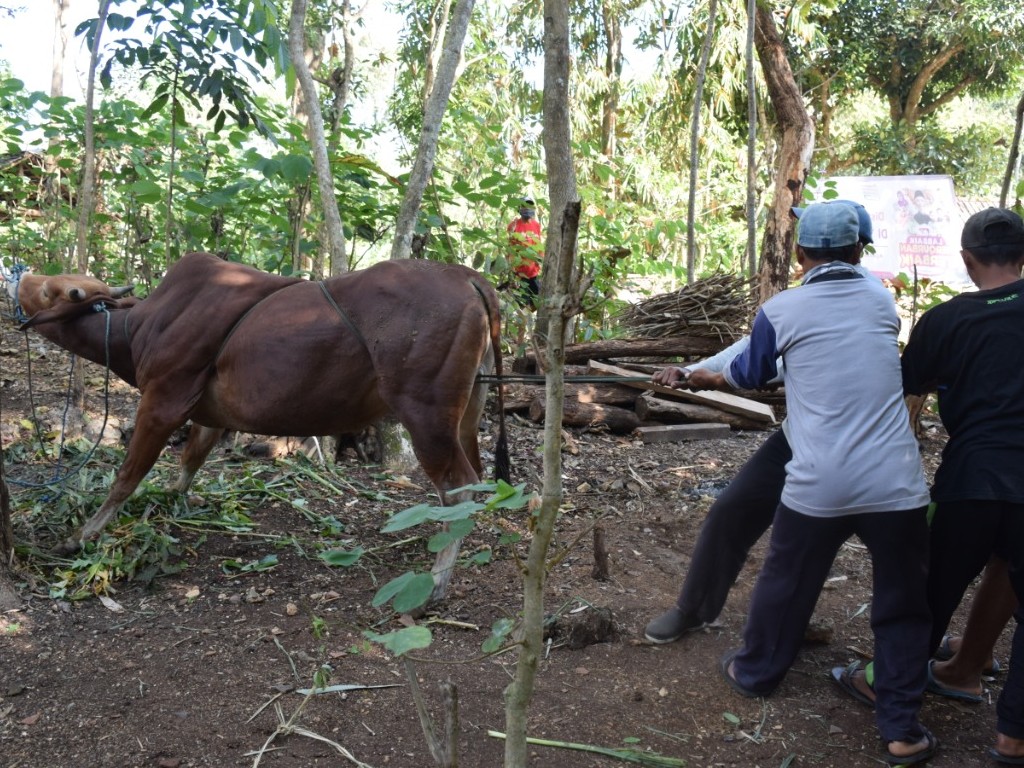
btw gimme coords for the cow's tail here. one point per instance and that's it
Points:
(502, 463)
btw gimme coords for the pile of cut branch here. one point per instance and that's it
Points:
(719, 306)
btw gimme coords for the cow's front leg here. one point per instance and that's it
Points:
(152, 430)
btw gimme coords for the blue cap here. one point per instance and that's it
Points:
(828, 225)
(863, 219)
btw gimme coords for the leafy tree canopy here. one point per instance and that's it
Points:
(921, 54)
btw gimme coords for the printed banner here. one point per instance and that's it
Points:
(916, 225)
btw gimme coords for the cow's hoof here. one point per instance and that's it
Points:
(67, 547)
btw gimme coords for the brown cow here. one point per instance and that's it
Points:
(230, 347)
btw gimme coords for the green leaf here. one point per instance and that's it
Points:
(499, 631)
(197, 207)
(408, 591)
(730, 717)
(295, 168)
(481, 558)
(408, 518)
(403, 640)
(147, 191)
(342, 557)
(456, 530)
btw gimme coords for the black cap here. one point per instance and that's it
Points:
(993, 226)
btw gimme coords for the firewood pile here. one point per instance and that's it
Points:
(719, 306)
(607, 382)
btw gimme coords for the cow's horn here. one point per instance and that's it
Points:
(121, 291)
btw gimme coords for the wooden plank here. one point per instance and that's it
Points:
(725, 401)
(671, 433)
(669, 346)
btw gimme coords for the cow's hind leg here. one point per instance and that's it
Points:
(149, 438)
(201, 441)
(446, 464)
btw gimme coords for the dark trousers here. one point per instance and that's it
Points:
(734, 523)
(799, 558)
(963, 536)
(526, 292)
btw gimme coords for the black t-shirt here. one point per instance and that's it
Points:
(970, 350)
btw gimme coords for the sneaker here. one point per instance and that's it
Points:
(670, 626)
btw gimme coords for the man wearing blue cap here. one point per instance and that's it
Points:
(844, 399)
(745, 509)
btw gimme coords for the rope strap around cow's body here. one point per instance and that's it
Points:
(343, 315)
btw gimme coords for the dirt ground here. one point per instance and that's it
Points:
(201, 666)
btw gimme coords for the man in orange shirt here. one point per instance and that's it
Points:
(524, 236)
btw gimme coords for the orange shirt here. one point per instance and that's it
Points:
(525, 233)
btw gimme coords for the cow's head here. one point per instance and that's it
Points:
(43, 298)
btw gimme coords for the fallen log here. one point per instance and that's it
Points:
(723, 400)
(519, 397)
(676, 346)
(651, 408)
(621, 421)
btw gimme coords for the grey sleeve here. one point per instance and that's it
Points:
(718, 363)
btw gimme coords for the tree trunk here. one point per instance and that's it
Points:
(1011, 160)
(613, 74)
(432, 63)
(315, 131)
(796, 136)
(519, 694)
(751, 207)
(437, 102)
(698, 99)
(558, 280)
(86, 196)
(557, 137)
(60, 47)
(341, 85)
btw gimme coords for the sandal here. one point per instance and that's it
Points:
(843, 677)
(1002, 759)
(934, 686)
(922, 755)
(945, 652)
(723, 667)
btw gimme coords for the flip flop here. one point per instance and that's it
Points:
(945, 652)
(723, 667)
(843, 677)
(934, 686)
(1002, 759)
(922, 755)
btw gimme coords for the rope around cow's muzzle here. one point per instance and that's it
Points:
(57, 476)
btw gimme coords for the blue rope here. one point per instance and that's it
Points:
(16, 272)
(58, 478)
